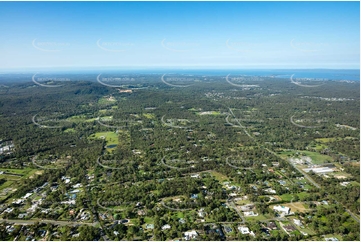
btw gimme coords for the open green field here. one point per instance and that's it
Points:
(106, 118)
(288, 197)
(111, 138)
(325, 140)
(219, 176)
(70, 130)
(149, 115)
(215, 113)
(256, 218)
(17, 171)
(148, 220)
(80, 119)
(104, 100)
(10, 177)
(317, 158)
(5, 185)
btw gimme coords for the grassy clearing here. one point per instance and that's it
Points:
(289, 197)
(10, 177)
(148, 220)
(219, 176)
(6, 185)
(286, 197)
(317, 158)
(340, 175)
(149, 115)
(242, 202)
(326, 140)
(111, 138)
(256, 218)
(33, 173)
(104, 100)
(91, 119)
(302, 195)
(17, 171)
(214, 113)
(70, 130)
(80, 119)
(296, 206)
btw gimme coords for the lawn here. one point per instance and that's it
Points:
(219, 176)
(296, 206)
(6, 184)
(325, 140)
(70, 130)
(17, 171)
(148, 220)
(10, 177)
(77, 118)
(149, 115)
(302, 195)
(317, 158)
(104, 100)
(33, 172)
(177, 215)
(80, 119)
(255, 218)
(286, 197)
(214, 113)
(111, 138)
(106, 118)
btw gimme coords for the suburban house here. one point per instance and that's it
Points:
(282, 209)
(245, 230)
(189, 235)
(167, 226)
(247, 207)
(250, 213)
(201, 213)
(297, 222)
(270, 190)
(271, 225)
(288, 228)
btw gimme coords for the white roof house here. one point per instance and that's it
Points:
(195, 176)
(282, 209)
(190, 235)
(77, 185)
(250, 213)
(270, 190)
(167, 226)
(297, 222)
(201, 213)
(245, 230)
(27, 195)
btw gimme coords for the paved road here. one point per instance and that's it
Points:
(231, 204)
(274, 153)
(353, 216)
(175, 209)
(301, 171)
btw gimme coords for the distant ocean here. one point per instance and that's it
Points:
(327, 74)
(352, 75)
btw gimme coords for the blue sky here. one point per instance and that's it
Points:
(242, 35)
